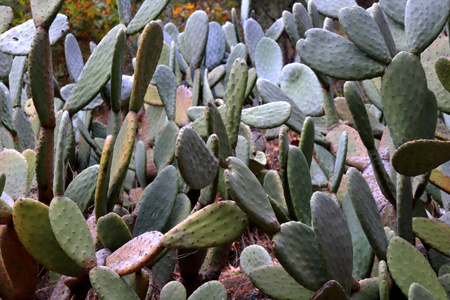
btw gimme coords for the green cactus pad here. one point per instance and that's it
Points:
(333, 238)
(40, 73)
(199, 229)
(404, 86)
(101, 190)
(297, 251)
(215, 46)
(394, 9)
(339, 167)
(275, 282)
(124, 10)
(246, 190)
(290, 26)
(216, 125)
(5, 212)
(15, 167)
(196, 35)
(430, 59)
(300, 83)
(25, 133)
(211, 290)
(82, 189)
(352, 63)
(363, 31)
(150, 47)
(96, 72)
(157, 201)
(39, 239)
(376, 12)
(72, 232)
(275, 30)
(274, 187)
(44, 12)
(420, 156)
(163, 270)
(74, 57)
(136, 253)
(197, 165)
(367, 212)
(433, 234)
(165, 146)
(15, 77)
(362, 252)
(402, 257)
(237, 82)
(123, 150)
(268, 115)
(252, 257)
(384, 280)
(253, 33)
(445, 281)
(442, 66)
(331, 290)
(423, 23)
(302, 19)
(300, 187)
(417, 291)
(109, 285)
(181, 209)
(331, 8)
(174, 290)
(17, 40)
(148, 11)
(112, 231)
(270, 92)
(6, 18)
(268, 60)
(21, 267)
(167, 88)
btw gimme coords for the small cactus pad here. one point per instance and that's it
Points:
(44, 11)
(367, 211)
(123, 150)
(254, 256)
(442, 67)
(96, 72)
(201, 229)
(333, 238)
(211, 290)
(384, 280)
(363, 31)
(167, 88)
(331, 290)
(352, 63)
(196, 163)
(15, 167)
(297, 251)
(215, 46)
(72, 232)
(150, 47)
(433, 234)
(409, 107)
(174, 290)
(148, 11)
(420, 156)
(38, 238)
(301, 84)
(403, 258)
(6, 17)
(196, 35)
(253, 33)
(17, 40)
(82, 188)
(74, 57)
(112, 231)
(339, 166)
(275, 282)
(299, 181)
(157, 201)
(110, 286)
(164, 149)
(423, 23)
(394, 9)
(101, 190)
(331, 8)
(248, 193)
(135, 254)
(270, 115)
(418, 292)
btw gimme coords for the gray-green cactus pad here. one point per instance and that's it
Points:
(268, 115)
(44, 11)
(268, 60)
(148, 11)
(109, 285)
(331, 54)
(15, 167)
(331, 8)
(6, 18)
(17, 40)
(394, 9)
(82, 188)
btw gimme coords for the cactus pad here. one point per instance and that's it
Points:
(268, 115)
(211, 290)
(331, 8)
(112, 231)
(6, 18)
(433, 234)
(148, 11)
(167, 87)
(109, 285)
(402, 258)
(164, 150)
(200, 229)
(174, 290)
(15, 167)
(252, 257)
(45, 11)
(268, 60)
(135, 254)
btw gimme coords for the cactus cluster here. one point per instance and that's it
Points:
(358, 210)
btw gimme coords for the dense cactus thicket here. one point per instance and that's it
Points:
(358, 210)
